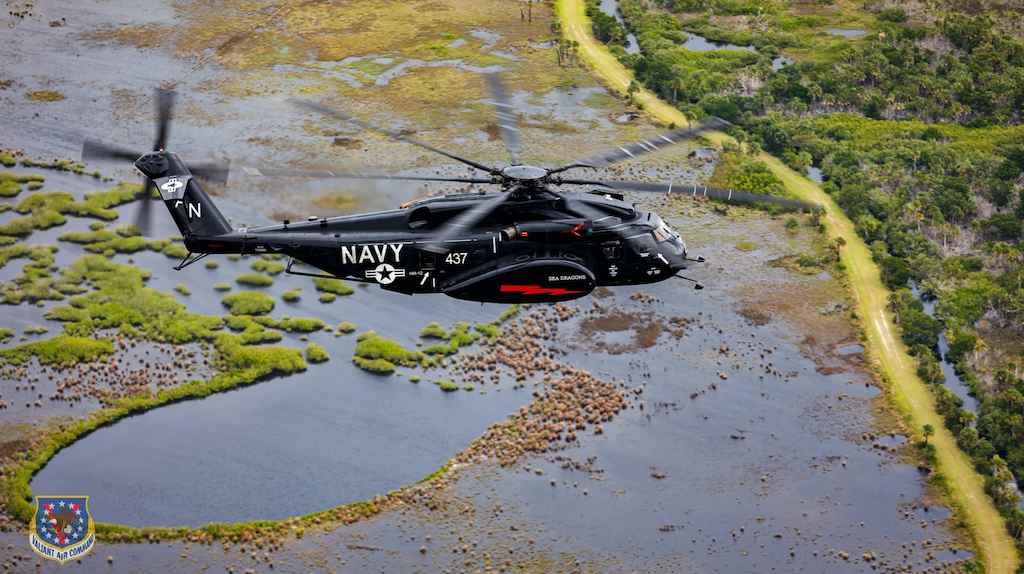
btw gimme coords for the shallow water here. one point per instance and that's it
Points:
(953, 381)
(847, 33)
(850, 349)
(814, 173)
(612, 9)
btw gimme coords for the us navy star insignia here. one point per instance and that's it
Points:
(385, 273)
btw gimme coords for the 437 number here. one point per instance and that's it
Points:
(456, 258)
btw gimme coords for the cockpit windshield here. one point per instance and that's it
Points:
(669, 239)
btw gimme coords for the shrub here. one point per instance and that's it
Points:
(254, 280)
(327, 297)
(346, 327)
(222, 287)
(290, 296)
(892, 14)
(249, 303)
(316, 354)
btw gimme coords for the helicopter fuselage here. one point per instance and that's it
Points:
(534, 250)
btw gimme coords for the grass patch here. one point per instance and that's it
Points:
(290, 296)
(222, 287)
(447, 386)
(58, 350)
(183, 289)
(212, 265)
(746, 246)
(346, 328)
(327, 297)
(290, 325)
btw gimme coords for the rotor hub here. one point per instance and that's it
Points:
(153, 165)
(524, 172)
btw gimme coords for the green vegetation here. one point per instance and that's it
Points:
(447, 386)
(183, 289)
(433, 330)
(222, 287)
(327, 297)
(35, 330)
(489, 331)
(254, 280)
(290, 325)
(379, 355)
(316, 354)
(270, 267)
(335, 286)
(212, 265)
(60, 349)
(290, 295)
(6, 334)
(249, 303)
(35, 282)
(457, 337)
(414, 379)
(746, 246)
(10, 182)
(346, 327)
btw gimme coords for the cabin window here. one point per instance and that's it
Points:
(663, 233)
(428, 261)
(612, 252)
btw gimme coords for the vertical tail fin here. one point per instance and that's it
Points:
(193, 211)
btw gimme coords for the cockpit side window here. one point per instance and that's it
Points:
(663, 233)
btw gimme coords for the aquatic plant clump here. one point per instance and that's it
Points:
(316, 354)
(290, 296)
(379, 355)
(254, 280)
(269, 267)
(249, 303)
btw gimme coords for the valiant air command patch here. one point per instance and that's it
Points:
(62, 529)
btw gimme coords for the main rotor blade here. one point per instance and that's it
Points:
(164, 107)
(97, 150)
(636, 149)
(505, 115)
(693, 191)
(464, 222)
(356, 121)
(143, 215)
(353, 175)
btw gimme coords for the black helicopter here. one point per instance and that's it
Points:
(525, 244)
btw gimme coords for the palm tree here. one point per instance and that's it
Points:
(979, 346)
(929, 430)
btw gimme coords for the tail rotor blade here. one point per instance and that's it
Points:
(93, 150)
(164, 108)
(505, 116)
(144, 215)
(211, 171)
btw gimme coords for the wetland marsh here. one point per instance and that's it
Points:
(729, 435)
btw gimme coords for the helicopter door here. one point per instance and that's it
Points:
(428, 261)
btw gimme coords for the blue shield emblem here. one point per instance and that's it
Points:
(62, 529)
